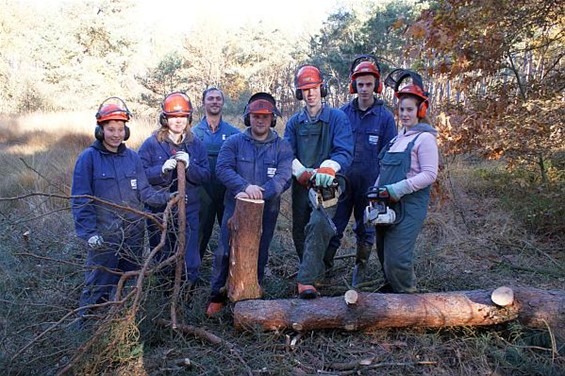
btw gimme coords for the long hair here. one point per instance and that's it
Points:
(162, 134)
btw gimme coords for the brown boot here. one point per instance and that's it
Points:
(360, 270)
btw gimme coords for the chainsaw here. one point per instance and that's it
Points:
(378, 212)
(322, 198)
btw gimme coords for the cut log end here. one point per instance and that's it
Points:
(351, 297)
(253, 201)
(502, 296)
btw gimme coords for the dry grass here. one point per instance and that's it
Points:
(470, 241)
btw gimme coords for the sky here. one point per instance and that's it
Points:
(296, 16)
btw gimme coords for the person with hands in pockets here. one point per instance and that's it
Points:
(213, 131)
(171, 144)
(322, 144)
(255, 164)
(111, 172)
(408, 167)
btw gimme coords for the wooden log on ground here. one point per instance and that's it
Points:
(533, 307)
(245, 228)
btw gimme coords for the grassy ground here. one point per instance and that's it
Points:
(484, 230)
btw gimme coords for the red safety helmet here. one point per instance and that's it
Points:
(111, 111)
(363, 68)
(416, 91)
(308, 77)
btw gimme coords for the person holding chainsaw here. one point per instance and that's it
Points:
(322, 143)
(109, 171)
(171, 144)
(373, 127)
(408, 167)
(213, 131)
(255, 164)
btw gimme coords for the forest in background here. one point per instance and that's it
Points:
(495, 73)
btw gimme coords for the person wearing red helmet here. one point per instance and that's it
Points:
(171, 144)
(408, 167)
(109, 171)
(373, 127)
(213, 131)
(322, 143)
(255, 164)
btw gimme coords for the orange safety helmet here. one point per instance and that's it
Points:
(415, 91)
(307, 77)
(364, 68)
(111, 111)
(176, 104)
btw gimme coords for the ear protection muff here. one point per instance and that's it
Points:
(265, 96)
(377, 74)
(422, 109)
(323, 86)
(99, 133)
(163, 114)
(111, 111)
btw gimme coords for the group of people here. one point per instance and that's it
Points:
(113, 185)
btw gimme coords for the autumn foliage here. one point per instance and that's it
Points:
(504, 63)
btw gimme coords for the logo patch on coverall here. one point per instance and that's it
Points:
(271, 171)
(133, 183)
(223, 137)
(373, 139)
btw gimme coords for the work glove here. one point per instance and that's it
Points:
(398, 189)
(169, 165)
(175, 194)
(95, 242)
(184, 157)
(324, 176)
(304, 175)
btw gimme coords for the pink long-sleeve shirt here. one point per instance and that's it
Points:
(424, 158)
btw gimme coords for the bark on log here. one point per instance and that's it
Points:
(245, 228)
(532, 307)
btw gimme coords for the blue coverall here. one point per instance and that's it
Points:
(118, 178)
(244, 161)
(211, 192)
(327, 137)
(372, 130)
(154, 153)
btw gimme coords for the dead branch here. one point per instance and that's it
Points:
(181, 241)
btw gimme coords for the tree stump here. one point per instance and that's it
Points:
(532, 307)
(245, 229)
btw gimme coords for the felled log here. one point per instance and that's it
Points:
(365, 311)
(245, 228)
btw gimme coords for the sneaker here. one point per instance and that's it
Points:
(307, 291)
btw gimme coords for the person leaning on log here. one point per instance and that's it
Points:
(255, 164)
(408, 167)
(322, 143)
(110, 171)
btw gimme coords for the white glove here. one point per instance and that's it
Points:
(95, 242)
(184, 157)
(169, 165)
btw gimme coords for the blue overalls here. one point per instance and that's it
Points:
(395, 243)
